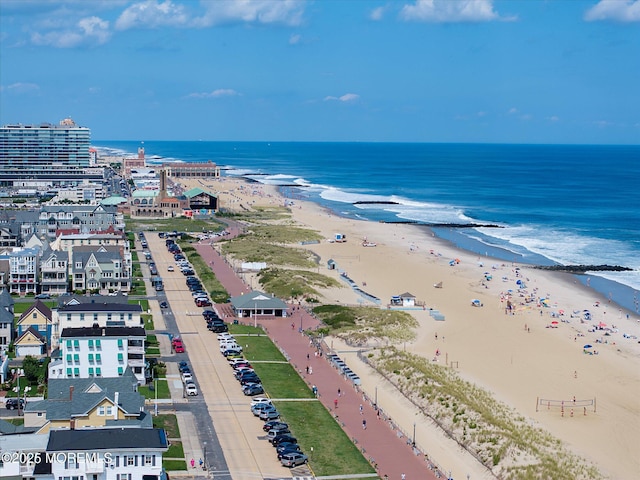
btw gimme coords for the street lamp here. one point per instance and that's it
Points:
(375, 403)
(413, 443)
(204, 467)
(155, 391)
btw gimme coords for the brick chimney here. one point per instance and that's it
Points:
(71, 393)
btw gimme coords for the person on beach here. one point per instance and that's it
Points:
(361, 409)
(364, 424)
(193, 463)
(335, 403)
(339, 392)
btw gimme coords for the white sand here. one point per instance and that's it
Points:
(491, 349)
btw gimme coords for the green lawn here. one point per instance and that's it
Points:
(333, 452)
(280, 380)
(173, 465)
(20, 307)
(175, 451)
(163, 390)
(170, 424)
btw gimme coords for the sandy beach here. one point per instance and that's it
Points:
(519, 356)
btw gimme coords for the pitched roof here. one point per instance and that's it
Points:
(197, 191)
(257, 299)
(31, 331)
(5, 298)
(39, 306)
(107, 439)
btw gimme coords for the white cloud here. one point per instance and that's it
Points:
(219, 93)
(284, 12)
(512, 111)
(450, 11)
(347, 98)
(553, 118)
(616, 10)
(22, 87)
(377, 13)
(152, 14)
(92, 30)
(295, 39)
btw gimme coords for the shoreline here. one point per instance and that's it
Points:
(518, 357)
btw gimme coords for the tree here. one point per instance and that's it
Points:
(31, 367)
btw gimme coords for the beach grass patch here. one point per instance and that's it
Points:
(284, 283)
(216, 290)
(260, 214)
(334, 453)
(500, 438)
(361, 325)
(251, 249)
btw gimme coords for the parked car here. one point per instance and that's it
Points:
(164, 305)
(191, 389)
(294, 459)
(272, 424)
(232, 351)
(274, 432)
(43, 296)
(285, 437)
(257, 400)
(269, 415)
(13, 403)
(186, 376)
(170, 268)
(247, 379)
(287, 448)
(259, 407)
(253, 389)
(178, 346)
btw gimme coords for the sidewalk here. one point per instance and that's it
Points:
(387, 449)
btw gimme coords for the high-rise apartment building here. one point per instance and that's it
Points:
(31, 146)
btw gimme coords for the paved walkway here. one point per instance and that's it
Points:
(385, 448)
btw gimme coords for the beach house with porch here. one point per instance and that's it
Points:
(258, 304)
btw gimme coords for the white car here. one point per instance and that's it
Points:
(186, 377)
(170, 268)
(191, 389)
(230, 346)
(225, 335)
(257, 400)
(229, 339)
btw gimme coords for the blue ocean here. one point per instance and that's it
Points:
(555, 204)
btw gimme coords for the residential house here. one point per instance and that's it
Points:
(23, 466)
(23, 271)
(89, 402)
(9, 236)
(99, 269)
(34, 331)
(123, 453)
(54, 271)
(96, 351)
(6, 319)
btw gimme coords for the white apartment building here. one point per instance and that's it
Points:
(100, 352)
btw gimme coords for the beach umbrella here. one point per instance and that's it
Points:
(555, 322)
(587, 346)
(602, 325)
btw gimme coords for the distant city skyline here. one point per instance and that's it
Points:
(472, 71)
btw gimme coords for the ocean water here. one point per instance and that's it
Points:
(555, 204)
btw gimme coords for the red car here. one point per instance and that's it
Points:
(178, 346)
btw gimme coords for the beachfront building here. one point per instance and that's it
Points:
(201, 201)
(100, 352)
(29, 146)
(192, 170)
(257, 303)
(133, 163)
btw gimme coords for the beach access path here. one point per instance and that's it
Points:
(391, 452)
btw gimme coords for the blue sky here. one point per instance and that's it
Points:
(516, 71)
